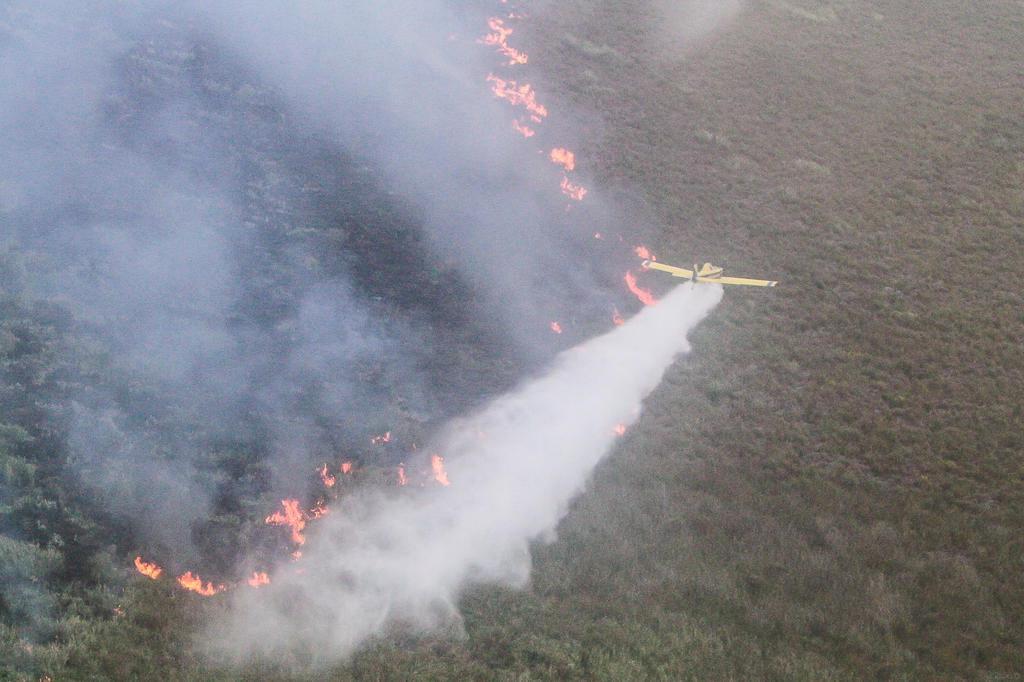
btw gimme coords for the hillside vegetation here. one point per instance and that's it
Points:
(835, 479)
(831, 486)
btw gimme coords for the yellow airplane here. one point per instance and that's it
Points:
(709, 273)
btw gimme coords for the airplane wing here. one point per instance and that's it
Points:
(743, 281)
(674, 271)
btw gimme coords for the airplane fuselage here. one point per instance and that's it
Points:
(708, 273)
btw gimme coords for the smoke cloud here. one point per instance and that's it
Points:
(398, 82)
(377, 561)
(282, 221)
(281, 228)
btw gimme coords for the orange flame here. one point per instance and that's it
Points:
(326, 477)
(620, 429)
(518, 96)
(402, 480)
(556, 328)
(346, 467)
(193, 583)
(563, 157)
(292, 517)
(437, 465)
(258, 579)
(573, 191)
(522, 129)
(498, 37)
(382, 438)
(617, 317)
(645, 296)
(499, 32)
(147, 569)
(645, 253)
(319, 510)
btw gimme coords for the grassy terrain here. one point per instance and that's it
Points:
(832, 485)
(837, 474)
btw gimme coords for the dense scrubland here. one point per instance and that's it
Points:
(830, 487)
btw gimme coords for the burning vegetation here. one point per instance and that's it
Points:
(521, 95)
(293, 517)
(563, 157)
(529, 115)
(258, 579)
(186, 580)
(150, 570)
(437, 467)
(498, 37)
(326, 477)
(642, 295)
(194, 584)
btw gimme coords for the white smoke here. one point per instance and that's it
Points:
(514, 467)
(686, 21)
